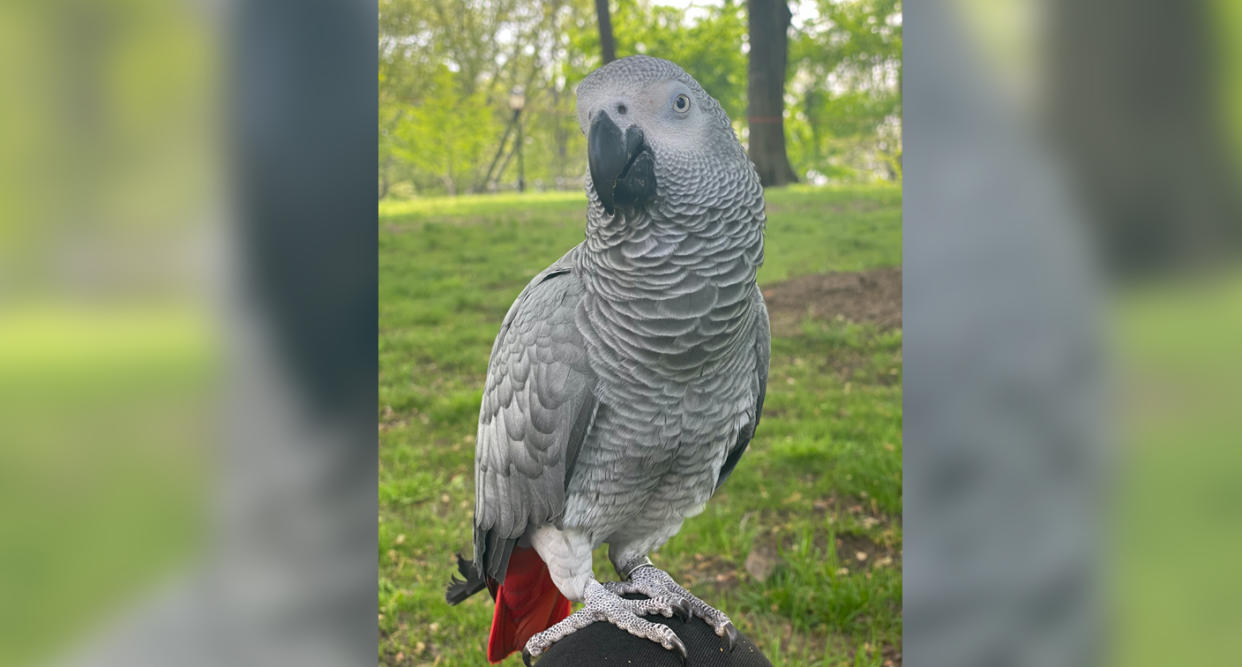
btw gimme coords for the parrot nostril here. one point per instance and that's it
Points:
(621, 109)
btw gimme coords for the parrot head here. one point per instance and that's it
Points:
(654, 133)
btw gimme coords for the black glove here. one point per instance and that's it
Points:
(604, 644)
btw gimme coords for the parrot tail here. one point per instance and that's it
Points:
(526, 603)
(459, 590)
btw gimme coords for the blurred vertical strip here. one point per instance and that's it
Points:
(1073, 306)
(187, 333)
(1138, 102)
(1001, 379)
(108, 354)
(1144, 103)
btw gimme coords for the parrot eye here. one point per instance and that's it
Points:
(682, 103)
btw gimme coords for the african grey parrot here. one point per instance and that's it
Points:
(629, 376)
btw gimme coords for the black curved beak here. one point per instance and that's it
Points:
(622, 166)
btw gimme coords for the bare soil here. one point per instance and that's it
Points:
(860, 296)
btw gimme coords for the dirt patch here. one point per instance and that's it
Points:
(860, 296)
(711, 573)
(858, 552)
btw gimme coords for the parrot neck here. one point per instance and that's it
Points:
(674, 291)
(647, 251)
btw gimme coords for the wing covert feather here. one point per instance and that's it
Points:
(763, 353)
(536, 410)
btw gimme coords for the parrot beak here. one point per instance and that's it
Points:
(622, 166)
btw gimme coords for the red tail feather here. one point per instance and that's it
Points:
(526, 603)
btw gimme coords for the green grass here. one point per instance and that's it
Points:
(1175, 580)
(824, 469)
(103, 415)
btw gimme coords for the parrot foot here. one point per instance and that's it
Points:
(601, 604)
(658, 585)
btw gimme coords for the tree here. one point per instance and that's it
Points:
(845, 115)
(1158, 181)
(608, 47)
(768, 21)
(837, 70)
(447, 134)
(446, 70)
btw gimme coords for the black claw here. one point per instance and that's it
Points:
(730, 633)
(681, 609)
(526, 657)
(680, 647)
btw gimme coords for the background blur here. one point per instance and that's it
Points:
(187, 333)
(1072, 279)
(108, 352)
(179, 482)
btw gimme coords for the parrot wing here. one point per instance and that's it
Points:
(537, 408)
(763, 352)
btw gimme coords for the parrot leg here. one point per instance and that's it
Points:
(646, 579)
(601, 604)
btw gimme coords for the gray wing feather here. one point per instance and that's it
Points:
(763, 353)
(537, 408)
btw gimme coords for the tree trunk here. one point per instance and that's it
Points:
(769, 38)
(513, 149)
(481, 186)
(607, 46)
(1151, 161)
(560, 135)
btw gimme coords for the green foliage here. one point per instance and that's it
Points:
(821, 483)
(845, 120)
(488, 48)
(448, 133)
(1226, 19)
(442, 136)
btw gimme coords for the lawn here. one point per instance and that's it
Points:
(802, 547)
(104, 448)
(1178, 378)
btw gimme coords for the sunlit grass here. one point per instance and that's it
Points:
(104, 415)
(1180, 380)
(477, 204)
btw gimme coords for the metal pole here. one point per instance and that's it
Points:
(521, 164)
